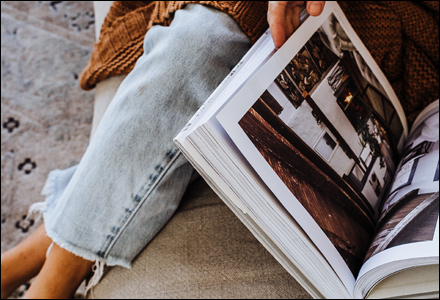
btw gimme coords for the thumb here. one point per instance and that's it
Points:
(315, 8)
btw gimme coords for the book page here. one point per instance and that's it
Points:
(323, 128)
(408, 226)
(413, 283)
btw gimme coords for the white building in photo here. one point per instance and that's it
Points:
(340, 146)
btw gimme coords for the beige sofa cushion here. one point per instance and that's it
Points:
(203, 252)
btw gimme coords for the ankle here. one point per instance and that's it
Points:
(14, 273)
(60, 276)
(7, 287)
(24, 261)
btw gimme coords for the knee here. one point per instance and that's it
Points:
(199, 31)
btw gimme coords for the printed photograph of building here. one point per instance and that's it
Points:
(411, 210)
(329, 132)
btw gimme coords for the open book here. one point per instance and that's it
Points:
(310, 148)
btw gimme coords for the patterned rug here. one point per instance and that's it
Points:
(46, 118)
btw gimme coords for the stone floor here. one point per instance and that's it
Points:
(46, 118)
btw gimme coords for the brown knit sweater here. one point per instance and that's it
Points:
(402, 36)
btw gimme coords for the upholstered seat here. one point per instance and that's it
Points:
(204, 251)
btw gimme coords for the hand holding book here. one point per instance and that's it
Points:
(284, 17)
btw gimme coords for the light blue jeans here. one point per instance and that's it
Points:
(132, 177)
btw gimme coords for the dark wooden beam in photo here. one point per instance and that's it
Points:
(336, 210)
(271, 102)
(358, 199)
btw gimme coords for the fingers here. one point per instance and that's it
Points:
(315, 8)
(296, 21)
(289, 28)
(276, 19)
(284, 17)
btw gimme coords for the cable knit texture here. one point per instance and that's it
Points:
(402, 36)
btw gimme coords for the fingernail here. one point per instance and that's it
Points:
(315, 8)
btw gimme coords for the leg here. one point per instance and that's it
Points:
(64, 271)
(24, 261)
(104, 93)
(132, 177)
